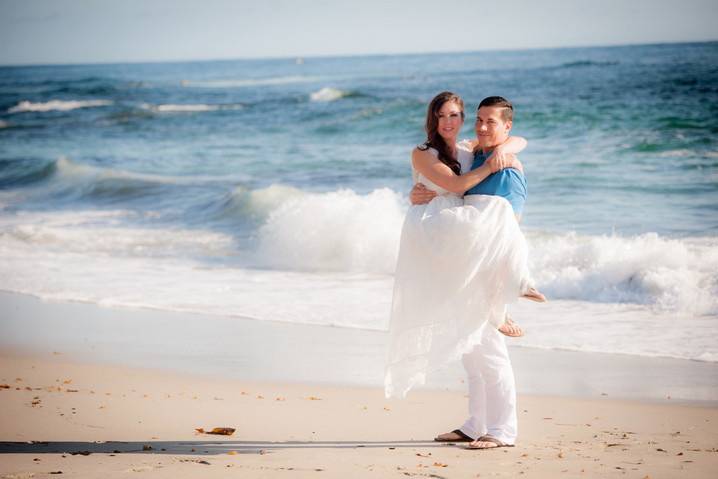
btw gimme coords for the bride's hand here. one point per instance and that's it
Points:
(498, 160)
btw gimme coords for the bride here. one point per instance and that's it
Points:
(458, 265)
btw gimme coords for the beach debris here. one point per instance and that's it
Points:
(560, 455)
(198, 461)
(4, 386)
(440, 464)
(313, 398)
(72, 390)
(659, 449)
(280, 398)
(67, 381)
(55, 472)
(423, 455)
(81, 453)
(146, 447)
(232, 453)
(259, 396)
(220, 431)
(18, 380)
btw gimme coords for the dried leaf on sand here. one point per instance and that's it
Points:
(220, 431)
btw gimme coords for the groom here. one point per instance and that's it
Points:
(492, 418)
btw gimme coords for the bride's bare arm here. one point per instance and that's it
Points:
(513, 144)
(438, 173)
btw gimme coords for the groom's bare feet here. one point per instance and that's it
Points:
(534, 295)
(511, 329)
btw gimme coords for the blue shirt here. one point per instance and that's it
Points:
(509, 183)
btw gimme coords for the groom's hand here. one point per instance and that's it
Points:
(420, 194)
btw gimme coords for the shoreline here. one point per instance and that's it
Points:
(273, 351)
(94, 391)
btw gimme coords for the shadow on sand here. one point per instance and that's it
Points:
(194, 447)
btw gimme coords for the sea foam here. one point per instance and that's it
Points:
(189, 108)
(328, 94)
(669, 274)
(327, 258)
(336, 231)
(58, 105)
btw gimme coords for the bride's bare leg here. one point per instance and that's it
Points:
(510, 329)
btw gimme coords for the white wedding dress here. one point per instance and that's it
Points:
(458, 266)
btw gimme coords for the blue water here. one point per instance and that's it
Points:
(240, 169)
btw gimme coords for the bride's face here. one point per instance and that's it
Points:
(450, 121)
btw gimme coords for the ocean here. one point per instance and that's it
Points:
(276, 189)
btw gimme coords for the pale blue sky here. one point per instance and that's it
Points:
(85, 31)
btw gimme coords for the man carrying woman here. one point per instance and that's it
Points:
(461, 261)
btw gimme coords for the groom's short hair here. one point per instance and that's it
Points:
(507, 109)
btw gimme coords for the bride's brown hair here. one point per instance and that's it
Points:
(433, 139)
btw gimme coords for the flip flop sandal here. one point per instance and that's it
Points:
(490, 439)
(460, 437)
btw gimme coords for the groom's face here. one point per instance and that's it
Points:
(491, 128)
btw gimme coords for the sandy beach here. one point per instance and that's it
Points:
(83, 401)
(87, 419)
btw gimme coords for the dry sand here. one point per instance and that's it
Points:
(141, 423)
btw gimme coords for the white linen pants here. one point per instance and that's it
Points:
(492, 389)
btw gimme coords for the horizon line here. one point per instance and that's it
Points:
(331, 56)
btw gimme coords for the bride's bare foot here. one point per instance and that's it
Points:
(534, 295)
(511, 329)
